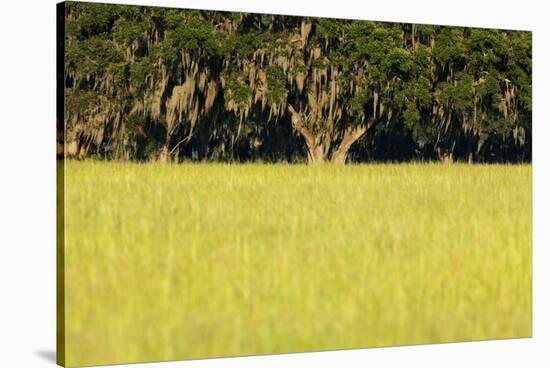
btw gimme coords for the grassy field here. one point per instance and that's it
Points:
(202, 260)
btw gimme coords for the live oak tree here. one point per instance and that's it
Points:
(147, 83)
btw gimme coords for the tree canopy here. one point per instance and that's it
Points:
(148, 83)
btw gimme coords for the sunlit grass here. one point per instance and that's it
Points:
(201, 260)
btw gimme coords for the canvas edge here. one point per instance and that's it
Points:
(60, 181)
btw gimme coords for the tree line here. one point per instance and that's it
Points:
(147, 83)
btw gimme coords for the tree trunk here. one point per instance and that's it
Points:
(163, 154)
(83, 149)
(320, 146)
(339, 157)
(316, 154)
(470, 150)
(317, 145)
(351, 135)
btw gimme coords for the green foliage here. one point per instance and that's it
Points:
(140, 70)
(134, 123)
(485, 47)
(357, 104)
(92, 55)
(192, 33)
(93, 18)
(460, 94)
(440, 87)
(129, 31)
(237, 89)
(164, 51)
(411, 115)
(329, 28)
(276, 83)
(449, 47)
(150, 148)
(245, 44)
(320, 63)
(78, 101)
(120, 72)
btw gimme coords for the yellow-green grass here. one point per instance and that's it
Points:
(167, 261)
